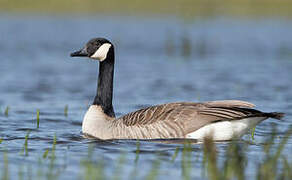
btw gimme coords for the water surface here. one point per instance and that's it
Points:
(227, 59)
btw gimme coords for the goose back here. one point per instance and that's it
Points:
(176, 120)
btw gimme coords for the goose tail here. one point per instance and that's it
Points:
(275, 115)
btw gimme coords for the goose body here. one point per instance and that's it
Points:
(220, 120)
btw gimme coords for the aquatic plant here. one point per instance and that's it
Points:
(154, 171)
(20, 172)
(53, 171)
(66, 110)
(119, 166)
(234, 166)
(38, 118)
(24, 150)
(5, 170)
(252, 133)
(175, 154)
(210, 159)
(92, 170)
(227, 162)
(269, 168)
(6, 111)
(45, 155)
(186, 160)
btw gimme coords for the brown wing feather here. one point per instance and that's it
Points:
(187, 117)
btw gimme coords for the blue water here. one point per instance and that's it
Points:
(228, 59)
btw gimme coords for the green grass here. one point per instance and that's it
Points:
(236, 160)
(38, 118)
(175, 154)
(5, 170)
(225, 163)
(24, 150)
(45, 155)
(180, 8)
(92, 169)
(53, 172)
(66, 110)
(119, 166)
(154, 171)
(6, 111)
(252, 133)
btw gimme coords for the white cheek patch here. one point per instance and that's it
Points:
(102, 51)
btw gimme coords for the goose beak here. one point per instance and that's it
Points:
(80, 53)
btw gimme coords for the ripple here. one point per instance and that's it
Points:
(44, 78)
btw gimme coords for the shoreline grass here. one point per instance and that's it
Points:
(178, 8)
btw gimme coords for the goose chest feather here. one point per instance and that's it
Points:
(220, 120)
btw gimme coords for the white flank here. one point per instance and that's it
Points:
(101, 52)
(226, 130)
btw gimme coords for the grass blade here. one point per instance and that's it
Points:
(66, 110)
(38, 118)
(6, 111)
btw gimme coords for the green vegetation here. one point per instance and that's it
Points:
(53, 171)
(252, 133)
(45, 155)
(175, 154)
(38, 118)
(6, 111)
(91, 169)
(5, 171)
(119, 166)
(180, 8)
(66, 110)
(154, 171)
(24, 150)
(236, 160)
(218, 164)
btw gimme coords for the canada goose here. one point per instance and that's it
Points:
(222, 120)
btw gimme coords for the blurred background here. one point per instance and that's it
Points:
(180, 8)
(166, 51)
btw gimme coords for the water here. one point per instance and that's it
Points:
(229, 59)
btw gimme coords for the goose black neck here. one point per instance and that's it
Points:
(104, 94)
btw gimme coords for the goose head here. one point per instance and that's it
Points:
(96, 48)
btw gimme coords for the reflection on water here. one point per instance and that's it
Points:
(156, 63)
